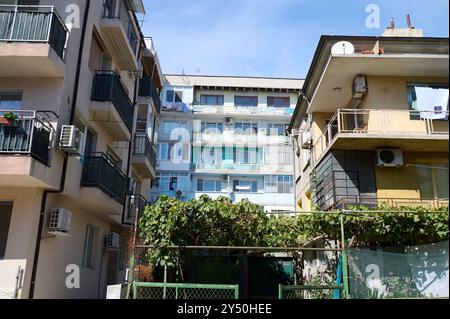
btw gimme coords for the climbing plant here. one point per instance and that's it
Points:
(208, 222)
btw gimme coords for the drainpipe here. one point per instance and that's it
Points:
(64, 169)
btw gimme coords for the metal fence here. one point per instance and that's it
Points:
(153, 290)
(33, 24)
(310, 292)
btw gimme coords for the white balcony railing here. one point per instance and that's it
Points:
(238, 110)
(381, 124)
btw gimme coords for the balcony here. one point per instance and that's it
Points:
(32, 42)
(120, 38)
(370, 129)
(231, 138)
(115, 108)
(254, 169)
(30, 135)
(99, 172)
(144, 156)
(134, 208)
(348, 201)
(279, 112)
(147, 90)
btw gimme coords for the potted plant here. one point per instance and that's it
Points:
(8, 118)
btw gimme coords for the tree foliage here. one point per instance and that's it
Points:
(207, 222)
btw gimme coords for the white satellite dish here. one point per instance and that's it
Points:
(342, 48)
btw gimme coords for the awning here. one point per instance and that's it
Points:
(137, 6)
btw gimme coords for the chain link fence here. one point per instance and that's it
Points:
(310, 292)
(184, 291)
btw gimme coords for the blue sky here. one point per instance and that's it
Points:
(269, 37)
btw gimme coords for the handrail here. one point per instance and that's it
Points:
(16, 28)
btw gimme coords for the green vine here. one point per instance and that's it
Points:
(207, 222)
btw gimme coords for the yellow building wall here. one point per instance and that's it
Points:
(403, 182)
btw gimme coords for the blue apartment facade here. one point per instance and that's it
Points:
(225, 136)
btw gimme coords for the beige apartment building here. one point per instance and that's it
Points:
(371, 127)
(79, 103)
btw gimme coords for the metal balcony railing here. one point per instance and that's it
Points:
(147, 89)
(237, 110)
(134, 208)
(107, 88)
(143, 146)
(30, 134)
(40, 24)
(100, 172)
(347, 201)
(379, 123)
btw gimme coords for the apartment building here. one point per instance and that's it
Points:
(371, 126)
(79, 103)
(225, 136)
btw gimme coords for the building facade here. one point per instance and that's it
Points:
(225, 136)
(79, 103)
(371, 126)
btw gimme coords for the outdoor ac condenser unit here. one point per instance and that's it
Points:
(71, 139)
(59, 223)
(359, 86)
(389, 158)
(112, 241)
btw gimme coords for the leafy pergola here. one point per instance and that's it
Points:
(206, 222)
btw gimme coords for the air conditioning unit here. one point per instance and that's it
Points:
(71, 139)
(389, 158)
(112, 241)
(229, 121)
(359, 87)
(180, 194)
(59, 222)
(306, 140)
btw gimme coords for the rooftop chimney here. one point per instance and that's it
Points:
(410, 31)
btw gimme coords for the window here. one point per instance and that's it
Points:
(278, 155)
(428, 101)
(282, 184)
(174, 96)
(172, 182)
(212, 100)
(173, 151)
(114, 158)
(245, 186)
(433, 181)
(246, 128)
(276, 129)
(169, 126)
(5, 219)
(90, 137)
(275, 101)
(211, 155)
(246, 101)
(10, 101)
(245, 155)
(95, 55)
(212, 128)
(205, 185)
(90, 242)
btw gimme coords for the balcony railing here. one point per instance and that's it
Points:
(100, 172)
(134, 208)
(107, 88)
(143, 146)
(381, 123)
(147, 89)
(221, 109)
(371, 202)
(40, 24)
(255, 168)
(29, 134)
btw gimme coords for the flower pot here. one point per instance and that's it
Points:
(5, 121)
